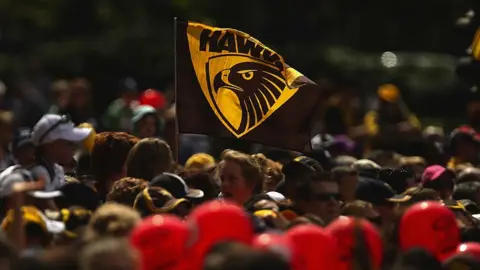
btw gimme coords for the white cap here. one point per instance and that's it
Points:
(276, 196)
(52, 127)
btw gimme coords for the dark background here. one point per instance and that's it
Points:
(340, 40)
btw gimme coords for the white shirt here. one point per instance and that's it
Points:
(50, 184)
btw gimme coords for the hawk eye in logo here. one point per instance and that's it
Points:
(244, 91)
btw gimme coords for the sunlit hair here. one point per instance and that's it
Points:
(271, 171)
(111, 220)
(125, 190)
(148, 158)
(251, 169)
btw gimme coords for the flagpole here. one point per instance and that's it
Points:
(176, 141)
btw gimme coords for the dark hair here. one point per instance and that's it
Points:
(109, 154)
(204, 182)
(467, 190)
(125, 190)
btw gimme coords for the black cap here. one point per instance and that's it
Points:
(302, 164)
(373, 191)
(21, 137)
(176, 186)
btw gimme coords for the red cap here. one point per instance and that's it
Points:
(344, 231)
(472, 249)
(214, 222)
(153, 98)
(316, 248)
(281, 245)
(161, 241)
(431, 226)
(432, 173)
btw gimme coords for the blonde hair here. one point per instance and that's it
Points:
(149, 158)
(111, 220)
(251, 169)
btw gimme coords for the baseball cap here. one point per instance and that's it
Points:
(302, 163)
(373, 191)
(156, 200)
(52, 127)
(415, 194)
(433, 173)
(22, 175)
(21, 137)
(176, 186)
(32, 215)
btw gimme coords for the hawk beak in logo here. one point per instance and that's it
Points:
(222, 81)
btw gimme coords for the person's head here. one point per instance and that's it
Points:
(22, 147)
(61, 91)
(467, 191)
(78, 194)
(361, 209)
(415, 163)
(156, 200)
(199, 162)
(465, 144)
(176, 186)
(146, 122)
(319, 196)
(439, 179)
(347, 179)
(111, 220)
(366, 168)
(203, 182)
(79, 93)
(378, 193)
(109, 156)
(398, 179)
(236, 256)
(109, 254)
(240, 176)
(55, 137)
(272, 172)
(343, 160)
(128, 89)
(6, 127)
(301, 169)
(384, 158)
(470, 174)
(148, 158)
(75, 220)
(125, 190)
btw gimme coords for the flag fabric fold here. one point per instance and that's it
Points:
(230, 85)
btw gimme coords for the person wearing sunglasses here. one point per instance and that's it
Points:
(54, 137)
(319, 195)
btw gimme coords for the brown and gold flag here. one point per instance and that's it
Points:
(228, 84)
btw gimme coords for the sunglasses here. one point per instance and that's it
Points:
(63, 120)
(324, 197)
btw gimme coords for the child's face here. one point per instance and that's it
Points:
(147, 127)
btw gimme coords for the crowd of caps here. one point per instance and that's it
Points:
(126, 204)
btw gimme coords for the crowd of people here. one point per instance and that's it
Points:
(124, 198)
